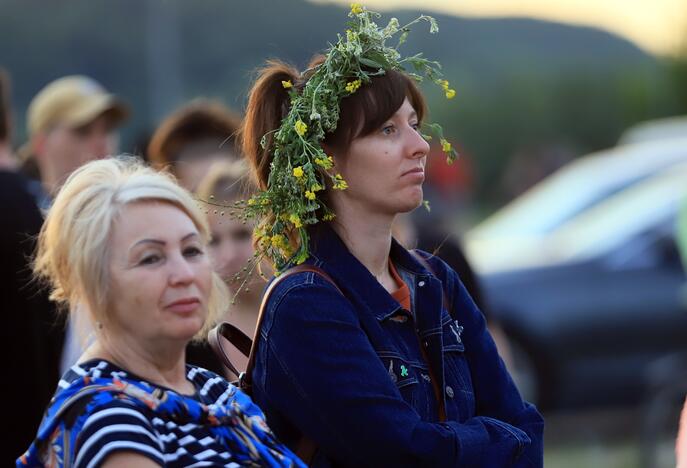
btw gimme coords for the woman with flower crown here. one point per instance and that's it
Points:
(371, 355)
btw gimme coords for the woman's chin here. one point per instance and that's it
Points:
(185, 330)
(411, 200)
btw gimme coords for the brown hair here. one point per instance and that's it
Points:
(4, 106)
(360, 113)
(201, 121)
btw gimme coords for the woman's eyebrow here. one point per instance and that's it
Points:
(162, 242)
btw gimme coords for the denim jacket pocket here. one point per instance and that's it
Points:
(401, 373)
(457, 370)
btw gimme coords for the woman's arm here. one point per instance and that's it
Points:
(495, 392)
(317, 369)
(128, 460)
(114, 429)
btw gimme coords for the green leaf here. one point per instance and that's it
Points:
(370, 63)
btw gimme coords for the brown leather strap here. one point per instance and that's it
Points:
(235, 337)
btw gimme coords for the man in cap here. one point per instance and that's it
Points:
(71, 121)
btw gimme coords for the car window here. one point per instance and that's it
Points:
(625, 216)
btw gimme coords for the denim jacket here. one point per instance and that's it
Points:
(354, 371)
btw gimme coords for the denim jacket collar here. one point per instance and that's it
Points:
(330, 253)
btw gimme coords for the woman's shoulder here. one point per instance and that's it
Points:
(211, 388)
(311, 278)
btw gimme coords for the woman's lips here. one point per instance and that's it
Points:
(184, 306)
(417, 173)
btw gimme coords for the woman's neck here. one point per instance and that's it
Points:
(161, 364)
(368, 238)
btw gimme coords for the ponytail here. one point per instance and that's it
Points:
(267, 105)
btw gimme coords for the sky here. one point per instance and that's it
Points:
(657, 26)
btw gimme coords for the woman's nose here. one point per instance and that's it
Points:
(418, 146)
(182, 272)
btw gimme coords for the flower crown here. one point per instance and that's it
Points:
(300, 169)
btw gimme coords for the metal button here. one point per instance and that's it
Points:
(426, 343)
(449, 391)
(421, 283)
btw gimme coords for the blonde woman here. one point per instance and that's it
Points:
(129, 246)
(231, 246)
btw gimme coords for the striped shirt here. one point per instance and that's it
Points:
(120, 426)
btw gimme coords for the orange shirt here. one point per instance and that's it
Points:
(402, 294)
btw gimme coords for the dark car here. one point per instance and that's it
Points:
(591, 305)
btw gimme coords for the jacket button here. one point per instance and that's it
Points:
(449, 391)
(421, 283)
(426, 343)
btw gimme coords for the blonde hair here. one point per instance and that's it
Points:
(225, 181)
(73, 246)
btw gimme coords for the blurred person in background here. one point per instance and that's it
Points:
(71, 121)
(30, 343)
(193, 137)
(143, 274)
(231, 241)
(230, 250)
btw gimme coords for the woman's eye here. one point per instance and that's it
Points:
(243, 235)
(416, 126)
(193, 251)
(388, 130)
(149, 259)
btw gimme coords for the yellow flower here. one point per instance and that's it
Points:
(287, 84)
(298, 172)
(326, 162)
(445, 146)
(300, 127)
(339, 183)
(351, 36)
(316, 188)
(450, 93)
(295, 220)
(352, 86)
(265, 201)
(264, 242)
(444, 84)
(356, 8)
(310, 195)
(328, 217)
(251, 201)
(278, 241)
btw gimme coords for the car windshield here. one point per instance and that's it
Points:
(579, 186)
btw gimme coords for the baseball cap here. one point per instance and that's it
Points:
(72, 101)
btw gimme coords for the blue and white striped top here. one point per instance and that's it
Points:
(169, 431)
